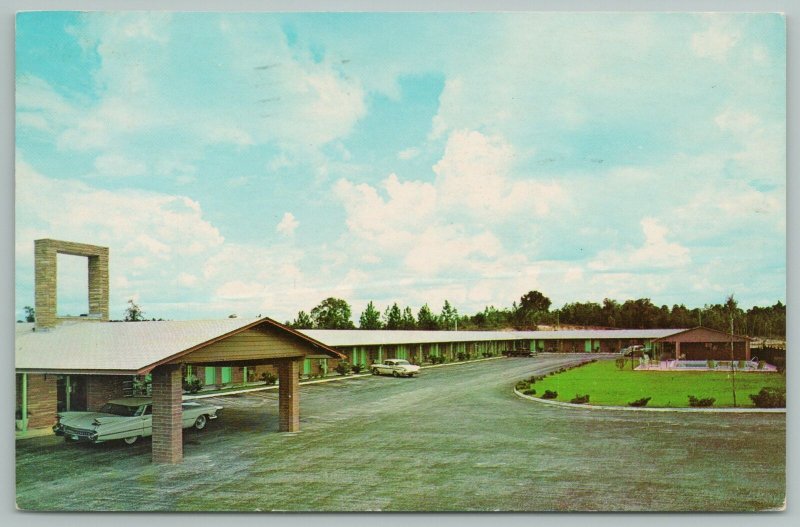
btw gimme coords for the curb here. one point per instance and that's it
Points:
(636, 409)
(319, 381)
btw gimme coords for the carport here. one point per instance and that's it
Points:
(111, 350)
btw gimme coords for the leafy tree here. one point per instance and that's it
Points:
(610, 312)
(534, 301)
(332, 313)
(491, 318)
(426, 319)
(407, 321)
(30, 314)
(303, 321)
(533, 307)
(448, 317)
(133, 313)
(393, 317)
(370, 318)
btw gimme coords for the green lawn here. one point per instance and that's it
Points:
(607, 385)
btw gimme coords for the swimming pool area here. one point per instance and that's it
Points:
(742, 366)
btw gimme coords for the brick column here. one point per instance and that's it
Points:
(98, 284)
(289, 395)
(46, 272)
(41, 400)
(677, 351)
(167, 414)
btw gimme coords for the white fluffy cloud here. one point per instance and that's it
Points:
(441, 236)
(717, 39)
(655, 253)
(475, 176)
(287, 225)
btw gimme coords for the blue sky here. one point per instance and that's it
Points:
(258, 163)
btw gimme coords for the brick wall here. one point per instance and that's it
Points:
(101, 388)
(42, 400)
(167, 413)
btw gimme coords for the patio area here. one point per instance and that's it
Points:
(742, 366)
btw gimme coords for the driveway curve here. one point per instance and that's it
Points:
(454, 439)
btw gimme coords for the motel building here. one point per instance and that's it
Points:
(79, 363)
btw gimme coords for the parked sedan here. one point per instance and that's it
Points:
(127, 419)
(396, 367)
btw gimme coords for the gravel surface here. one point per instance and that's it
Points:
(453, 439)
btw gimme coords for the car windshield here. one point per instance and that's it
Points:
(119, 409)
(401, 362)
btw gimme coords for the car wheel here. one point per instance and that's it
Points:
(131, 440)
(375, 371)
(200, 422)
(394, 373)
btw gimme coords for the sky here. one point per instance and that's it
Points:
(258, 163)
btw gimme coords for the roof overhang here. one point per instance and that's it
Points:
(320, 348)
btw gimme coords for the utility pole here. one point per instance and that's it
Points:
(733, 370)
(731, 303)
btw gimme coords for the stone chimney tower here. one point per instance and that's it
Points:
(46, 261)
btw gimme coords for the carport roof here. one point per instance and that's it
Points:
(129, 347)
(358, 337)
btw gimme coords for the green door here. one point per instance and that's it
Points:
(211, 375)
(587, 346)
(226, 375)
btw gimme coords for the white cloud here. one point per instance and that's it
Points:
(737, 121)
(716, 40)
(115, 165)
(655, 253)
(287, 225)
(408, 153)
(391, 222)
(187, 279)
(239, 290)
(475, 176)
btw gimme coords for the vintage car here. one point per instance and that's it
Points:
(128, 419)
(397, 367)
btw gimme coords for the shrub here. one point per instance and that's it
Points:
(436, 359)
(701, 403)
(549, 394)
(269, 378)
(343, 368)
(770, 398)
(357, 368)
(462, 356)
(761, 364)
(486, 354)
(711, 364)
(640, 402)
(740, 365)
(620, 362)
(192, 385)
(522, 385)
(580, 399)
(529, 391)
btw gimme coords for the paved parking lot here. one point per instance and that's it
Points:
(456, 438)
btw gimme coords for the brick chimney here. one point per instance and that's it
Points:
(46, 262)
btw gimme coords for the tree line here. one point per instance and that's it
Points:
(534, 309)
